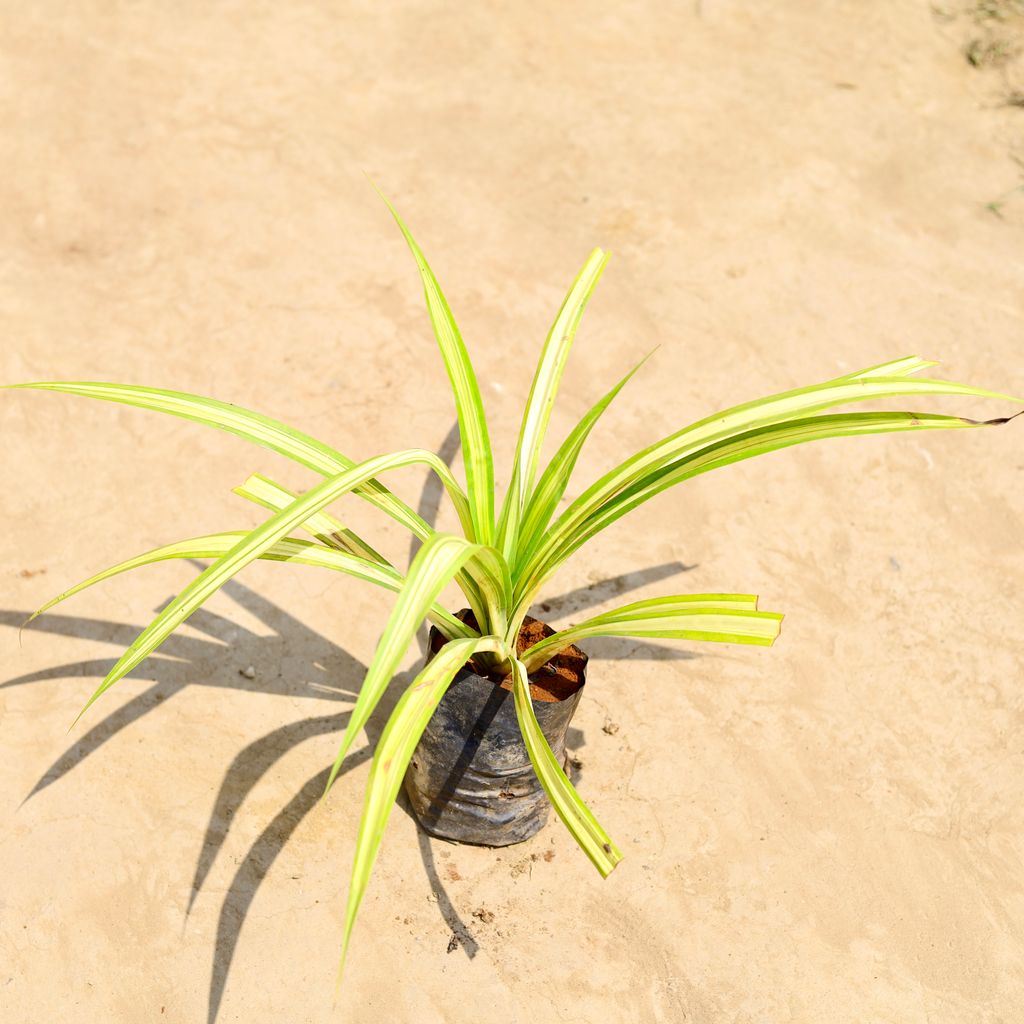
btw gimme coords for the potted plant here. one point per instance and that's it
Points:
(478, 736)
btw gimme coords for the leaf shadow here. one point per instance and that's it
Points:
(186, 661)
(328, 672)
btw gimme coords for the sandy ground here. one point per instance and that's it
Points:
(831, 830)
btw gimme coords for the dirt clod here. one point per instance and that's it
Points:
(521, 867)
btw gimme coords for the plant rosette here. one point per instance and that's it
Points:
(501, 562)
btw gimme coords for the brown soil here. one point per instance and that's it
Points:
(557, 680)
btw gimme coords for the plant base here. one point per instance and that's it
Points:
(470, 778)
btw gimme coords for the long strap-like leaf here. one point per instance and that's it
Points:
(251, 547)
(330, 531)
(440, 558)
(288, 549)
(555, 478)
(392, 755)
(252, 426)
(568, 804)
(704, 617)
(763, 413)
(548, 375)
(476, 445)
(734, 449)
(902, 367)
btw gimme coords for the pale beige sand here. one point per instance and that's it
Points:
(827, 831)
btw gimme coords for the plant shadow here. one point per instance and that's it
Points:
(327, 671)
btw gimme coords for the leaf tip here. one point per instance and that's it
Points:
(29, 620)
(997, 422)
(614, 855)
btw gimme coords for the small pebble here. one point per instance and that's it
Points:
(249, 673)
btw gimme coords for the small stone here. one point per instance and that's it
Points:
(484, 915)
(610, 727)
(249, 672)
(453, 943)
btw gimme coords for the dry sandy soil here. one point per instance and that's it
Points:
(831, 830)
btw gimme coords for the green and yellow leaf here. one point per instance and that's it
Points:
(330, 531)
(476, 445)
(568, 804)
(749, 444)
(548, 375)
(719, 618)
(289, 549)
(251, 546)
(569, 530)
(391, 758)
(436, 563)
(555, 478)
(252, 426)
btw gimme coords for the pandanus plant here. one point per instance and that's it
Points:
(506, 555)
